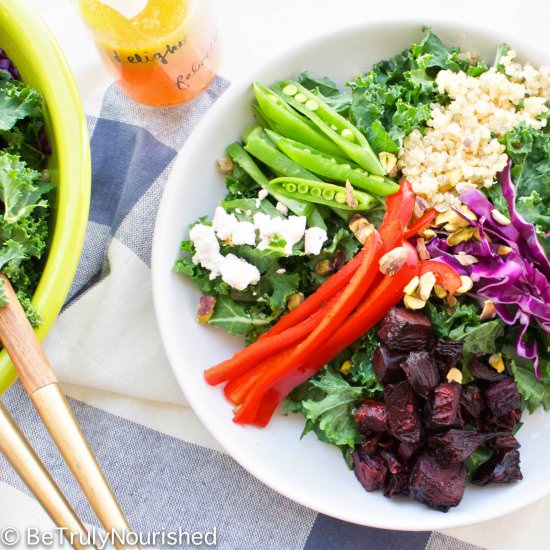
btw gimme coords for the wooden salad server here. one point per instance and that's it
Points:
(17, 450)
(41, 385)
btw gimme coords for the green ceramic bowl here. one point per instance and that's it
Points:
(31, 46)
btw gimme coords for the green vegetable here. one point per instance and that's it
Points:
(534, 391)
(477, 458)
(529, 150)
(243, 159)
(338, 169)
(322, 193)
(337, 128)
(289, 123)
(394, 98)
(328, 91)
(327, 402)
(23, 191)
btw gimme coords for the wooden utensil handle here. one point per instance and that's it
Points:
(22, 344)
(15, 447)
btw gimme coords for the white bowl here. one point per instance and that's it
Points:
(308, 471)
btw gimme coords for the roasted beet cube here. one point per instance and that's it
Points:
(371, 416)
(369, 443)
(455, 445)
(448, 350)
(503, 402)
(397, 484)
(440, 486)
(421, 372)
(501, 468)
(406, 330)
(472, 403)
(406, 450)
(505, 442)
(370, 471)
(387, 364)
(403, 415)
(394, 466)
(481, 370)
(443, 411)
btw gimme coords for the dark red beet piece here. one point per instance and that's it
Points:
(439, 486)
(394, 466)
(371, 416)
(482, 371)
(501, 468)
(370, 471)
(406, 330)
(406, 450)
(397, 484)
(503, 402)
(369, 443)
(505, 442)
(421, 372)
(403, 415)
(455, 445)
(472, 403)
(447, 353)
(444, 409)
(387, 364)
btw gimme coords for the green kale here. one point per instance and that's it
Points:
(18, 102)
(328, 90)
(477, 458)
(394, 98)
(237, 318)
(534, 391)
(529, 151)
(327, 401)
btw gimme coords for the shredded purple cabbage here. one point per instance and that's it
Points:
(517, 282)
(7, 66)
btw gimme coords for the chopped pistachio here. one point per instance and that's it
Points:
(205, 309)
(467, 284)
(497, 362)
(294, 300)
(389, 163)
(324, 267)
(466, 259)
(489, 311)
(460, 236)
(503, 250)
(454, 375)
(499, 217)
(412, 302)
(224, 166)
(440, 291)
(345, 366)
(412, 285)
(427, 283)
(391, 262)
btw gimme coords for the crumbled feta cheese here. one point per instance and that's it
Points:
(460, 149)
(261, 196)
(290, 229)
(207, 248)
(280, 271)
(314, 239)
(238, 273)
(227, 226)
(281, 208)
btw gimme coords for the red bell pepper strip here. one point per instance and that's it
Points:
(421, 223)
(273, 386)
(399, 206)
(445, 275)
(314, 301)
(253, 354)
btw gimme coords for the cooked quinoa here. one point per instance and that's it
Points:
(460, 149)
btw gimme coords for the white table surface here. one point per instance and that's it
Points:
(251, 32)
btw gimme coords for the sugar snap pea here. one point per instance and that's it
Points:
(246, 162)
(342, 132)
(322, 193)
(334, 168)
(289, 122)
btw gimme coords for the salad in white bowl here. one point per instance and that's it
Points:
(383, 249)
